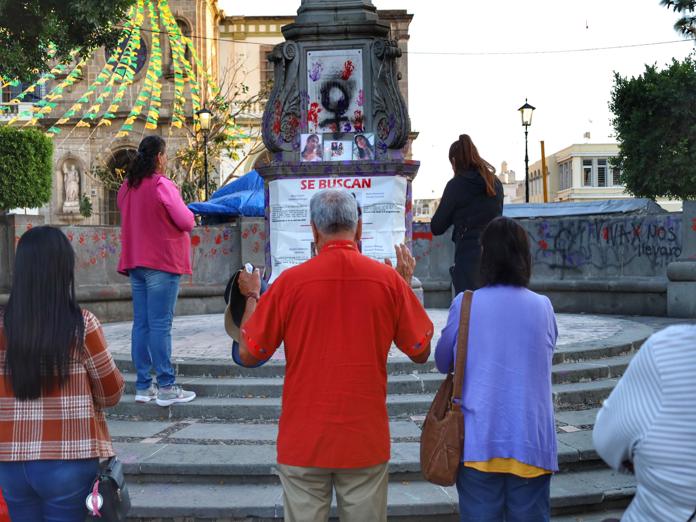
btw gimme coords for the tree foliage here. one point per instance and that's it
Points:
(233, 102)
(190, 160)
(26, 159)
(686, 25)
(655, 123)
(29, 27)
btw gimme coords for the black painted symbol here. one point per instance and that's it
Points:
(335, 98)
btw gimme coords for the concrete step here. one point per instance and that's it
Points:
(624, 343)
(207, 406)
(249, 409)
(231, 455)
(273, 386)
(592, 370)
(582, 395)
(408, 500)
(597, 516)
(414, 382)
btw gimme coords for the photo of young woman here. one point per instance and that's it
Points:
(311, 147)
(364, 147)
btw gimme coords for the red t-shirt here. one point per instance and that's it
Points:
(337, 314)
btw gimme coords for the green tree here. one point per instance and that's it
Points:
(655, 124)
(29, 27)
(233, 102)
(26, 159)
(687, 9)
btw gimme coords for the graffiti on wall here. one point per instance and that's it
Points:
(636, 245)
(93, 246)
(254, 234)
(575, 247)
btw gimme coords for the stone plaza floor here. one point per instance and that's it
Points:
(204, 336)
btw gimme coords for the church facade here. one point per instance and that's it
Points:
(226, 46)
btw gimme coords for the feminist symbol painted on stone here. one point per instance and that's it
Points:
(335, 96)
(336, 99)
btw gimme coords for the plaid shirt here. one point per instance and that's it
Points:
(67, 423)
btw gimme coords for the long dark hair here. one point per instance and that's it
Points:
(145, 162)
(44, 327)
(362, 154)
(505, 256)
(466, 157)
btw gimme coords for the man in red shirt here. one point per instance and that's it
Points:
(337, 315)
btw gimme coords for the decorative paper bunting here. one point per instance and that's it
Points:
(111, 84)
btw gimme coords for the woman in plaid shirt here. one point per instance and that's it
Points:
(56, 375)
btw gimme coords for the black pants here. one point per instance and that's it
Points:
(467, 264)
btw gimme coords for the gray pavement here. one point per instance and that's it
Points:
(204, 337)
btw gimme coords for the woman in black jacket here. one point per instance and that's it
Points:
(472, 198)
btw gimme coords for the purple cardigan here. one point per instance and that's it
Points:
(155, 226)
(508, 408)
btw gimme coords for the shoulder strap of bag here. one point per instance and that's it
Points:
(462, 350)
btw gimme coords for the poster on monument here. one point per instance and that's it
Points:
(381, 198)
(335, 91)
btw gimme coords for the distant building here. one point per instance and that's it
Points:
(513, 190)
(582, 172)
(424, 209)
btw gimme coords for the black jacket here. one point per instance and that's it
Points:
(466, 205)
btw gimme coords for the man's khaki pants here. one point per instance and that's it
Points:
(361, 493)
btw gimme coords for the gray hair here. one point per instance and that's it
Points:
(334, 211)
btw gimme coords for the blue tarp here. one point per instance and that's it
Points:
(577, 208)
(242, 197)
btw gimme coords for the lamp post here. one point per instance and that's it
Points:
(526, 112)
(204, 116)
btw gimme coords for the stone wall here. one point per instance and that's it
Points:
(598, 264)
(594, 264)
(215, 253)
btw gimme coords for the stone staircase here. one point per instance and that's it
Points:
(213, 459)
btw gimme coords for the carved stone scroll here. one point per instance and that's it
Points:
(281, 117)
(389, 112)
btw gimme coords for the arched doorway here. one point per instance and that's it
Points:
(119, 163)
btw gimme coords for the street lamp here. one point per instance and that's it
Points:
(526, 112)
(204, 116)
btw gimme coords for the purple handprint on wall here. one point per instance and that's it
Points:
(315, 72)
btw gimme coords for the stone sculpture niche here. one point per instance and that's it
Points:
(71, 175)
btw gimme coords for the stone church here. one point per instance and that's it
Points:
(226, 45)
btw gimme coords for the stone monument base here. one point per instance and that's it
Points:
(681, 289)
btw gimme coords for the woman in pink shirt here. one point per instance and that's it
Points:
(155, 252)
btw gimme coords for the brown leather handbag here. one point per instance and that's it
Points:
(442, 437)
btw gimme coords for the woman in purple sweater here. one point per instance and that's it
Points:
(155, 252)
(510, 438)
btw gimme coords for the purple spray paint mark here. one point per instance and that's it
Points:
(315, 73)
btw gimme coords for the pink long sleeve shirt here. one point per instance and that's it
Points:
(155, 226)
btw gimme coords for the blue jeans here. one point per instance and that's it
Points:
(154, 297)
(47, 490)
(502, 497)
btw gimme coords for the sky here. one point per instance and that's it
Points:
(477, 93)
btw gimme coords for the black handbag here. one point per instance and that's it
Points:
(108, 499)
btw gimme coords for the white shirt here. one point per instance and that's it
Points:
(650, 419)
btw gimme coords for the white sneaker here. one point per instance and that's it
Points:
(173, 395)
(146, 395)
